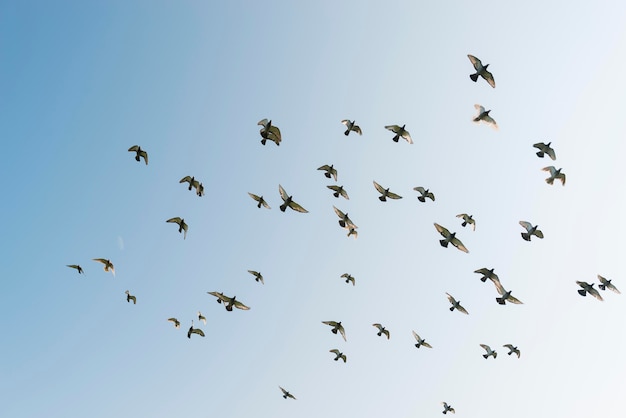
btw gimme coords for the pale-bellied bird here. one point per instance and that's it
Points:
(288, 202)
(338, 355)
(200, 190)
(329, 171)
(545, 149)
(530, 231)
(489, 351)
(554, 175)
(483, 116)
(450, 238)
(182, 226)
(481, 70)
(606, 284)
(260, 200)
(400, 132)
(512, 349)
(108, 266)
(425, 193)
(336, 327)
(140, 153)
(456, 305)
(269, 131)
(467, 219)
(588, 288)
(351, 127)
(385, 193)
(420, 341)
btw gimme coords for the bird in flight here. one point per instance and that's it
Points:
(182, 226)
(201, 318)
(512, 349)
(481, 70)
(269, 131)
(447, 408)
(174, 321)
(488, 274)
(530, 231)
(140, 153)
(258, 277)
(606, 284)
(385, 193)
(200, 190)
(545, 149)
(425, 193)
(191, 180)
(108, 266)
(287, 394)
(344, 220)
(350, 126)
(193, 330)
(505, 295)
(489, 351)
(554, 175)
(588, 288)
(77, 267)
(381, 330)
(349, 278)
(400, 132)
(338, 355)
(456, 305)
(260, 200)
(339, 190)
(420, 341)
(467, 220)
(483, 116)
(231, 303)
(288, 201)
(130, 297)
(329, 171)
(336, 327)
(450, 238)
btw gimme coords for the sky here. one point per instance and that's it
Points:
(81, 82)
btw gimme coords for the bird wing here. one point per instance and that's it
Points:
(509, 346)
(293, 205)
(391, 195)
(263, 122)
(380, 188)
(357, 129)
(562, 177)
(255, 197)
(407, 136)
(185, 179)
(283, 193)
(489, 77)
(479, 108)
(346, 122)
(458, 244)
(486, 347)
(451, 298)
(74, 266)
(491, 121)
(593, 292)
(425, 344)
(145, 156)
(241, 306)
(514, 300)
(393, 128)
(333, 172)
(538, 234)
(443, 231)
(254, 273)
(475, 62)
(379, 326)
(551, 153)
(342, 332)
(174, 220)
(551, 169)
(325, 167)
(335, 351)
(526, 225)
(462, 309)
(101, 260)
(420, 189)
(220, 296)
(133, 148)
(338, 212)
(198, 331)
(331, 323)
(276, 133)
(416, 336)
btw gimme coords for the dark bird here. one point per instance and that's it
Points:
(344, 220)
(338, 355)
(447, 408)
(530, 231)
(488, 274)
(425, 193)
(381, 330)
(288, 201)
(467, 219)
(588, 288)
(108, 266)
(130, 297)
(449, 238)
(385, 193)
(456, 305)
(554, 175)
(140, 153)
(329, 171)
(336, 327)
(606, 284)
(260, 200)
(483, 116)
(349, 278)
(512, 349)
(258, 277)
(481, 70)
(77, 267)
(420, 341)
(351, 127)
(489, 351)
(339, 190)
(545, 149)
(191, 180)
(193, 330)
(400, 132)
(269, 131)
(174, 321)
(286, 394)
(182, 226)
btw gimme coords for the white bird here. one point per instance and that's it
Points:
(329, 171)
(450, 238)
(467, 219)
(108, 266)
(77, 267)
(269, 131)
(530, 231)
(201, 318)
(456, 305)
(182, 226)
(339, 190)
(140, 153)
(489, 351)
(512, 349)
(588, 288)
(481, 70)
(400, 132)
(606, 284)
(351, 127)
(258, 277)
(447, 408)
(385, 193)
(130, 297)
(554, 175)
(506, 295)
(193, 330)
(286, 394)
(425, 193)
(420, 341)
(349, 278)
(338, 355)
(483, 116)
(288, 201)
(260, 200)
(174, 321)
(545, 149)
(488, 274)
(336, 327)
(381, 330)
(191, 180)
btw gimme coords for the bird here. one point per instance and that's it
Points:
(488, 274)
(287, 394)
(456, 305)
(258, 277)
(385, 193)
(200, 190)
(381, 330)
(425, 193)
(193, 330)
(201, 318)
(174, 321)
(447, 408)
(352, 231)
(108, 266)
(349, 278)
(483, 115)
(77, 267)
(260, 200)
(351, 127)
(338, 355)
(420, 341)
(450, 238)
(182, 226)
(336, 327)
(467, 219)
(140, 153)
(234, 303)
(545, 149)
(221, 298)
(288, 201)
(481, 70)
(505, 295)
(512, 349)
(269, 131)
(130, 297)
(606, 284)
(554, 175)
(329, 171)
(344, 220)
(489, 351)
(191, 180)
(588, 288)
(530, 231)
(400, 132)
(339, 190)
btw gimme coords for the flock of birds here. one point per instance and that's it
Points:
(272, 133)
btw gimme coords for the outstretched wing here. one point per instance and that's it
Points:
(393, 128)
(391, 195)
(283, 193)
(175, 220)
(475, 62)
(379, 188)
(241, 306)
(293, 205)
(458, 244)
(443, 231)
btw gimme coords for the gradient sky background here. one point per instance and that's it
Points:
(81, 82)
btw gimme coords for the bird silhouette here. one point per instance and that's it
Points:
(336, 327)
(554, 175)
(349, 278)
(338, 355)
(588, 288)
(467, 219)
(425, 193)
(258, 277)
(447, 408)
(545, 149)
(288, 202)
(381, 330)
(193, 330)
(269, 131)
(287, 394)
(606, 284)
(420, 341)
(450, 238)
(339, 190)
(108, 266)
(481, 70)
(191, 180)
(530, 231)
(130, 297)
(260, 200)
(489, 351)
(400, 133)
(140, 153)
(182, 226)
(385, 193)
(330, 171)
(201, 318)
(174, 321)
(456, 305)
(77, 267)
(351, 127)
(512, 349)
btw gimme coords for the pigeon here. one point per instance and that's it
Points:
(425, 193)
(506, 295)
(130, 297)
(381, 330)
(456, 305)
(467, 219)
(288, 201)
(221, 298)
(174, 321)
(339, 190)
(447, 408)
(385, 193)
(336, 327)
(140, 153)
(201, 318)
(450, 238)
(269, 131)
(338, 355)
(606, 284)
(344, 220)
(351, 127)
(260, 200)
(193, 330)
(329, 171)
(530, 231)
(287, 394)
(588, 288)
(481, 70)
(420, 341)
(554, 175)
(258, 277)
(191, 180)
(182, 226)
(489, 351)
(488, 274)
(349, 278)
(483, 115)
(512, 349)
(232, 302)
(400, 132)
(108, 266)
(200, 190)
(352, 231)
(545, 149)
(77, 267)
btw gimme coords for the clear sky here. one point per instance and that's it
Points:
(81, 82)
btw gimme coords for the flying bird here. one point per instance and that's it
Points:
(329, 171)
(488, 274)
(193, 330)
(506, 295)
(140, 153)
(483, 116)
(530, 231)
(234, 303)
(489, 351)
(400, 132)
(545, 149)
(385, 193)
(351, 127)
(338, 355)
(130, 297)
(381, 330)
(201, 318)
(339, 190)
(447, 408)
(588, 288)
(174, 321)
(221, 298)
(336, 327)
(425, 193)
(260, 200)
(288, 201)
(456, 305)
(182, 226)
(77, 267)
(108, 266)
(420, 341)
(467, 219)
(287, 394)
(606, 284)
(449, 238)
(349, 278)
(554, 175)
(344, 220)
(191, 180)
(481, 70)
(258, 277)
(512, 349)
(269, 131)
(200, 190)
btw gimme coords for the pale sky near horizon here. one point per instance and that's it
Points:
(81, 82)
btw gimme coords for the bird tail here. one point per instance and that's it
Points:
(342, 224)
(550, 180)
(485, 356)
(137, 157)
(582, 292)
(259, 205)
(327, 175)
(495, 355)
(525, 236)
(263, 141)
(501, 301)
(382, 198)
(602, 287)
(443, 243)
(336, 194)
(283, 208)
(464, 223)
(421, 198)
(451, 308)
(540, 154)
(346, 132)
(474, 77)
(483, 279)
(396, 138)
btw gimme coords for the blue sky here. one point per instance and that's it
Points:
(81, 82)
